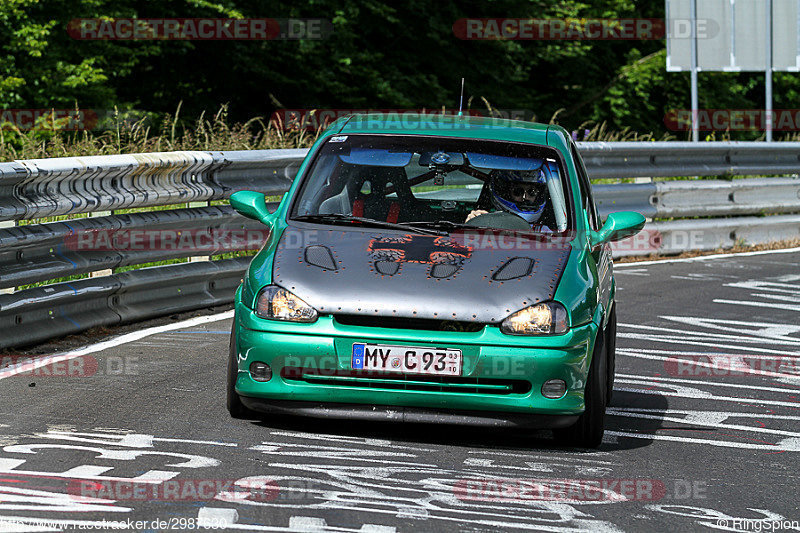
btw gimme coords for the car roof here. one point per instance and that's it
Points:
(445, 125)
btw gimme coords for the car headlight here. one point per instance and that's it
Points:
(276, 303)
(546, 318)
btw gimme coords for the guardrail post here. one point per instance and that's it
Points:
(7, 224)
(108, 271)
(196, 258)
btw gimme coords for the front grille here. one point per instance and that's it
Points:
(408, 323)
(387, 380)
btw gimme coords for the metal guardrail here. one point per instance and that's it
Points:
(39, 188)
(678, 236)
(37, 314)
(664, 159)
(29, 254)
(676, 199)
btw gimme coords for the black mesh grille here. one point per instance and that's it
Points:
(517, 267)
(387, 268)
(393, 381)
(408, 323)
(443, 270)
(320, 256)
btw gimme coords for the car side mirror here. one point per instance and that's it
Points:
(617, 227)
(252, 205)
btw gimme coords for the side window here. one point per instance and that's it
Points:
(586, 190)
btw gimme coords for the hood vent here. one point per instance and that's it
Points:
(443, 270)
(387, 268)
(320, 256)
(518, 267)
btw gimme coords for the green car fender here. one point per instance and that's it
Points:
(577, 290)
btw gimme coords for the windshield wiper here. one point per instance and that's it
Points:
(362, 221)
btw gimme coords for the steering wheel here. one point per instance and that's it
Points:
(500, 220)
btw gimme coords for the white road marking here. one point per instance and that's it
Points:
(722, 369)
(193, 441)
(786, 307)
(705, 258)
(649, 380)
(111, 343)
(128, 440)
(686, 392)
(767, 334)
(707, 415)
(477, 461)
(705, 419)
(677, 339)
(785, 445)
(720, 355)
(223, 518)
(345, 439)
(190, 460)
(718, 520)
(763, 285)
(779, 297)
(631, 271)
(216, 518)
(21, 499)
(333, 452)
(771, 330)
(9, 466)
(354, 488)
(566, 456)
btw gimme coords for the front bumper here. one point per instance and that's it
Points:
(490, 359)
(387, 413)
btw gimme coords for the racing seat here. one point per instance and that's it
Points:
(389, 197)
(366, 206)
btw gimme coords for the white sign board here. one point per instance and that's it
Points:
(731, 35)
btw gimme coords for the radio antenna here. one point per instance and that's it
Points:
(461, 101)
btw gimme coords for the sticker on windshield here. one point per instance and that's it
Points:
(338, 139)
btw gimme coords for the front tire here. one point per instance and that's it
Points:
(588, 431)
(234, 404)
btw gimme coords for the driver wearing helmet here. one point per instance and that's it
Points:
(520, 192)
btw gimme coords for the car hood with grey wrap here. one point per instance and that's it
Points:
(474, 276)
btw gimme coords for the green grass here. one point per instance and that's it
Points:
(128, 136)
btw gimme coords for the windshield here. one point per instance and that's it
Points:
(434, 180)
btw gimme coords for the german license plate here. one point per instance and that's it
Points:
(407, 359)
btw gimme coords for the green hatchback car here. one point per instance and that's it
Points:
(442, 269)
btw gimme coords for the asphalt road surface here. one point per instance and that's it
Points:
(703, 433)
